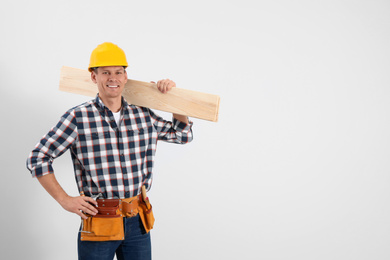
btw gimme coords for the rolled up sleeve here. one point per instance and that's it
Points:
(52, 145)
(172, 132)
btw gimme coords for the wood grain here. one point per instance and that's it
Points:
(179, 101)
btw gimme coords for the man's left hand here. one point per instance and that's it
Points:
(165, 85)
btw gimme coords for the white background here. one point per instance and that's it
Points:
(297, 166)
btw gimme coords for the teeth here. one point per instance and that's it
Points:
(112, 86)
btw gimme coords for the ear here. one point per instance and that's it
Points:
(126, 76)
(93, 76)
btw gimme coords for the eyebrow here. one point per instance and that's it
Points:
(114, 70)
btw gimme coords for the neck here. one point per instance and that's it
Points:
(114, 104)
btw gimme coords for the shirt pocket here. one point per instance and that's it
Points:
(137, 138)
(138, 131)
(90, 147)
(93, 139)
(96, 136)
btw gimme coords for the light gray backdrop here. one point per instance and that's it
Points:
(297, 166)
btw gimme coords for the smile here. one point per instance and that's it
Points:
(116, 86)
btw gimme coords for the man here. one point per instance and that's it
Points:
(112, 145)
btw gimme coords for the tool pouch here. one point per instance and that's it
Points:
(146, 214)
(106, 225)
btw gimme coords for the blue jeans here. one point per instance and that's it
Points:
(136, 246)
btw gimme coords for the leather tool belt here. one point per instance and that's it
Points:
(107, 224)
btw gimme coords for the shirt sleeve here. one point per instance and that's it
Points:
(172, 132)
(53, 145)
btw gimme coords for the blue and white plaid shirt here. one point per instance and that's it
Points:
(108, 159)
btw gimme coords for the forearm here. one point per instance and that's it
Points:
(181, 118)
(76, 205)
(51, 185)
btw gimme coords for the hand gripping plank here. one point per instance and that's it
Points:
(179, 101)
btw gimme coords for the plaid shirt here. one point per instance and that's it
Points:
(108, 159)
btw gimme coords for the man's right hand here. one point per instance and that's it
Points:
(76, 205)
(79, 205)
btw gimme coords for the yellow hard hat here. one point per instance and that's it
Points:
(107, 54)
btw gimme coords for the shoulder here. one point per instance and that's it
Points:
(86, 106)
(83, 106)
(79, 110)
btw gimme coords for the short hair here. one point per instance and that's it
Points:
(96, 68)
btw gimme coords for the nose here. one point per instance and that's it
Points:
(112, 78)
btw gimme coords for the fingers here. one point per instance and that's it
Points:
(165, 85)
(87, 206)
(90, 200)
(81, 215)
(80, 205)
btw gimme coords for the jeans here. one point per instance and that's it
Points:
(135, 246)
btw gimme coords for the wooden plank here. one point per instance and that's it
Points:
(179, 101)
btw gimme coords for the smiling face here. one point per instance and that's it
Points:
(110, 82)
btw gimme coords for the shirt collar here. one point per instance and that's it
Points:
(100, 103)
